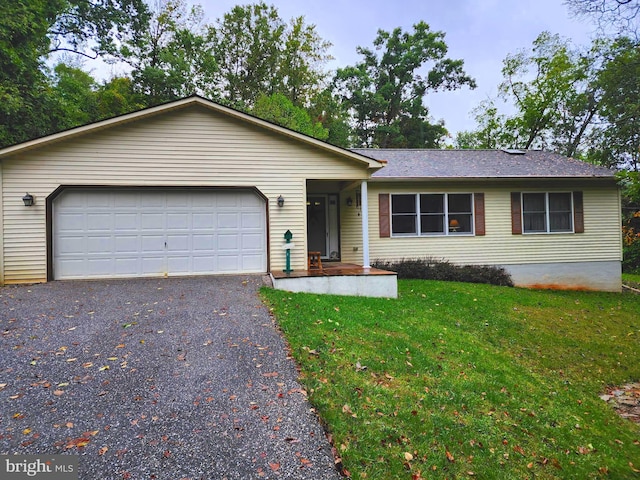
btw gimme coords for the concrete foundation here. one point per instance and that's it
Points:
(356, 285)
(605, 276)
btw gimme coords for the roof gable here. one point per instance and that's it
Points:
(140, 115)
(405, 164)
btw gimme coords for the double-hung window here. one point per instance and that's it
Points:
(431, 214)
(547, 212)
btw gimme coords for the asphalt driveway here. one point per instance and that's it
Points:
(155, 379)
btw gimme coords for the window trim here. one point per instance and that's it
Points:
(417, 216)
(548, 230)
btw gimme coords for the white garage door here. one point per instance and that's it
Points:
(105, 233)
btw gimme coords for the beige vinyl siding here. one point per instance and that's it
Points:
(600, 242)
(351, 227)
(189, 147)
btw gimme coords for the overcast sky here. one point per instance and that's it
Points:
(481, 32)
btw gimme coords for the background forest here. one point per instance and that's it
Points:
(581, 101)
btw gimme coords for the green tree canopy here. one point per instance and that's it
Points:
(384, 93)
(30, 32)
(277, 108)
(259, 53)
(173, 58)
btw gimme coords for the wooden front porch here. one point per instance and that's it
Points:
(337, 278)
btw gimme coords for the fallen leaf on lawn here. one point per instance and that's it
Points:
(633, 468)
(449, 456)
(519, 449)
(408, 457)
(347, 409)
(584, 450)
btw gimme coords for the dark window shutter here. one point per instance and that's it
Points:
(578, 213)
(384, 215)
(479, 213)
(516, 213)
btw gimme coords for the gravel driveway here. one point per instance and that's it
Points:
(155, 379)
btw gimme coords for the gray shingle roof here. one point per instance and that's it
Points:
(408, 163)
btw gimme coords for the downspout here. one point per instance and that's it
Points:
(365, 224)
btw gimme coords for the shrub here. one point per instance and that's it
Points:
(631, 244)
(435, 269)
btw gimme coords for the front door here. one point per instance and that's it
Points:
(322, 225)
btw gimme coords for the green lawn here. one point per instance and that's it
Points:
(631, 279)
(456, 380)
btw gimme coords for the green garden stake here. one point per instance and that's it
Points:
(287, 247)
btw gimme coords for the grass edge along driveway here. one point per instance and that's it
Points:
(456, 380)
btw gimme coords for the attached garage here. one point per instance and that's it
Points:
(148, 232)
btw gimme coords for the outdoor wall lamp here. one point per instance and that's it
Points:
(280, 201)
(28, 200)
(349, 201)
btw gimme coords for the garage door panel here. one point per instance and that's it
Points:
(71, 222)
(127, 267)
(179, 264)
(177, 221)
(178, 243)
(99, 266)
(251, 241)
(72, 245)
(227, 221)
(204, 264)
(152, 244)
(228, 263)
(152, 221)
(204, 243)
(178, 199)
(250, 262)
(153, 265)
(153, 199)
(100, 245)
(127, 244)
(228, 201)
(202, 220)
(99, 221)
(99, 200)
(127, 233)
(125, 199)
(125, 221)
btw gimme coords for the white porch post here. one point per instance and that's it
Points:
(365, 224)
